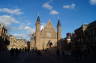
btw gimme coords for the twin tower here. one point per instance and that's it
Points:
(48, 36)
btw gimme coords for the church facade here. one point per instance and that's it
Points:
(47, 37)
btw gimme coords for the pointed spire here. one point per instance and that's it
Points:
(58, 24)
(38, 19)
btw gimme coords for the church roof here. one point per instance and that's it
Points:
(48, 23)
(48, 27)
(38, 19)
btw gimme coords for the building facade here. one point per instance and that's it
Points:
(86, 33)
(42, 39)
(46, 37)
(81, 33)
(4, 42)
(91, 34)
(86, 36)
(17, 43)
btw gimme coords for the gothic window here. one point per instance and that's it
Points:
(49, 44)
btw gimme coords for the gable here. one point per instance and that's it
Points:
(48, 31)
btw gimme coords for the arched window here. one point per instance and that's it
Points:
(49, 44)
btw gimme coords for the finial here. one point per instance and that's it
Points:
(38, 19)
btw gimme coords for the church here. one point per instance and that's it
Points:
(47, 37)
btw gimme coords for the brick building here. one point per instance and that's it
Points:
(48, 34)
(17, 43)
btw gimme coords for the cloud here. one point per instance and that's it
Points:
(29, 29)
(28, 23)
(23, 31)
(11, 11)
(71, 6)
(26, 28)
(7, 20)
(21, 36)
(50, 8)
(93, 2)
(47, 5)
(54, 12)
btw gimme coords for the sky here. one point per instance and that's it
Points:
(19, 16)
